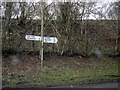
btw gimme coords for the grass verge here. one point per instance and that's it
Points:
(61, 72)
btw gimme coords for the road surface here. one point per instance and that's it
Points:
(100, 85)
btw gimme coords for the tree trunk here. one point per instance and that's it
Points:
(118, 28)
(7, 28)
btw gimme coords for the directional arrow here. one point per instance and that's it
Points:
(39, 38)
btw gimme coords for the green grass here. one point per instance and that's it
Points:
(73, 77)
(108, 51)
(69, 76)
(78, 64)
(66, 75)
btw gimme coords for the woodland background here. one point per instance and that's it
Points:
(70, 22)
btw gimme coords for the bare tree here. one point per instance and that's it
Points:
(113, 14)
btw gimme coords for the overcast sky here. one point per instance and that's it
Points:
(49, 1)
(99, 3)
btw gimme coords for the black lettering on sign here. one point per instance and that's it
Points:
(31, 37)
(47, 39)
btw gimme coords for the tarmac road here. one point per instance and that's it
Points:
(100, 85)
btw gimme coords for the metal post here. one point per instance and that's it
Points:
(42, 52)
(42, 33)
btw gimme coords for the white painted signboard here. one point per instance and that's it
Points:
(44, 40)
(39, 38)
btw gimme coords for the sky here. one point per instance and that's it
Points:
(49, 1)
(99, 3)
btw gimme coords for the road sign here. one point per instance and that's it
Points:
(44, 40)
(39, 38)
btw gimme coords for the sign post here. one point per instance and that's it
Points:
(43, 40)
(42, 33)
